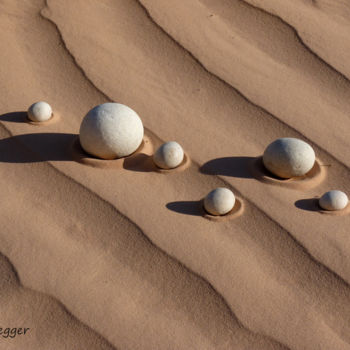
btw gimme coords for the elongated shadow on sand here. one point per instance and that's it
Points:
(36, 147)
(14, 117)
(309, 204)
(193, 208)
(21, 117)
(229, 166)
(253, 167)
(140, 162)
(196, 208)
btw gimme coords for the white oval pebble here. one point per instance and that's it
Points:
(39, 112)
(219, 201)
(111, 130)
(169, 155)
(288, 157)
(334, 200)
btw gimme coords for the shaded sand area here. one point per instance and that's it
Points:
(121, 257)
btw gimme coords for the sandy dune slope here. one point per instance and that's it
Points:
(121, 258)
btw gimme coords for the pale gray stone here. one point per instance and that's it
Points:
(169, 155)
(219, 201)
(289, 157)
(39, 112)
(111, 130)
(334, 200)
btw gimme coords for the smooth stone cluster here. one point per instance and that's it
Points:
(333, 200)
(169, 155)
(39, 112)
(289, 157)
(111, 130)
(219, 201)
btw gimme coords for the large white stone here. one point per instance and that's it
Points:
(334, 200)
(111, 130)
(288, 157)
(169, 155)
(219, 201)
(39, 112)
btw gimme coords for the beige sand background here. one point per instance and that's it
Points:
(121, 258)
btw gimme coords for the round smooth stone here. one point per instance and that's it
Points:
(289, 157)
(111, 130)
(334, 200)
(219, 201)
(39, 112)
(169, 155)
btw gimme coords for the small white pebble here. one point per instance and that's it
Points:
(169, 155)
(219, 201)
(334, 200)
(39, 112)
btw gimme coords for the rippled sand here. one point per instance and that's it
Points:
(120, 257)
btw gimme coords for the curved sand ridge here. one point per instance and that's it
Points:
(231, 104)
(323, 25)
(268, 279)
(117, 279)
(254, 51)
(42, 316)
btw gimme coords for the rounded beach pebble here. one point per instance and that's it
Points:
(169, 155)
(333, 200)
(39, 112)
(111, 130)
(289, 157)
(219, 201)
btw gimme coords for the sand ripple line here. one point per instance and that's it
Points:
(225, 82)
(49, 323)
(283, 229)
(324, 269)
(100, 198)
(328, 30)
(90, 79)
(272, 110)
(79, 67)
(227, 184)
(336, 160)
(82, 71)
(65, 290)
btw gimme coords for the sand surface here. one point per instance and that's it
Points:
(121, 257)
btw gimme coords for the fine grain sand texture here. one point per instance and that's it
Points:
(120, 256)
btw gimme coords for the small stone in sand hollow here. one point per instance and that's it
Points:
(169, 155)
(334, 200)
(289, 157)
(219, 201)
(111, 130)
(39, 112)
